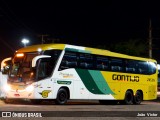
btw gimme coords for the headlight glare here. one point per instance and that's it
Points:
(29, 88)
(7, 88)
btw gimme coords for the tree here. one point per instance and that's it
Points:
(133, 47)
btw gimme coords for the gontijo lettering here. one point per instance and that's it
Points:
(125, 78)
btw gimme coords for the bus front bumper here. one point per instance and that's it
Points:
(18, 94)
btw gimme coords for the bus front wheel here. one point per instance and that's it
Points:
(62, 97)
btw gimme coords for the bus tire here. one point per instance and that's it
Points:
(138, 98)
(62, 97)
(128, 100)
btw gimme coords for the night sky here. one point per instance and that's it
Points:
(78, 22)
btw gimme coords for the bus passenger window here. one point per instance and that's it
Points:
(142, 67)
(116, 68)
(152, 68)
(116, 65)
(102, 63)
(131, 66)
(86, 61)
(130, 70)
(69, 61)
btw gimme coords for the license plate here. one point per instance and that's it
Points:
(17, 95)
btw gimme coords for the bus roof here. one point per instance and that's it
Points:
(43, 47)
(35, 48)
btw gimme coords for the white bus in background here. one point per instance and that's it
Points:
(5, 64)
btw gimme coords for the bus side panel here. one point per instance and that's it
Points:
(70, 79)
(43, 89)
(95, 84)
(85, 84)
(151, 92)
(80, 91)
(121, 82)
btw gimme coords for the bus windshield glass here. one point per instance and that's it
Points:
(46, 65)
(21, 70)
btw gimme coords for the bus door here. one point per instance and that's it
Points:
(44, 85)
(44, 89)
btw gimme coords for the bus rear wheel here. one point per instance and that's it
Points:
(138, 98)
(128, 100)
(62, 97)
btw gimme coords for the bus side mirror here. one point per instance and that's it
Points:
(5, 65)
(35, 59)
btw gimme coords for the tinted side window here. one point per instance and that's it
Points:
(45, 68)
(85, 61)
(102, 63)
(142, 67)
(131, 66)
(53, 53)
(116, 64)
(69, 61)
(152, 68)
(54, 57)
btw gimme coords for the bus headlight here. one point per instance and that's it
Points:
(7, 88)
(29, 88)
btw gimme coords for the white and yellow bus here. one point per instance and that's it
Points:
(64, 72)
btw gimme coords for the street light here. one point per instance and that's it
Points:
(25, 41)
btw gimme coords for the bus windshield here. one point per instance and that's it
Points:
(21, 70)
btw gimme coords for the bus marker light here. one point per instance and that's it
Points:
(19, 55)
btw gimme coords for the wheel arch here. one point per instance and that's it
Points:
(130, 90)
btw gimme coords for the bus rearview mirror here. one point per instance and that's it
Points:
(35, 59)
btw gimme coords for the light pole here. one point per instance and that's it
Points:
(150, 39)
(25, 41)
